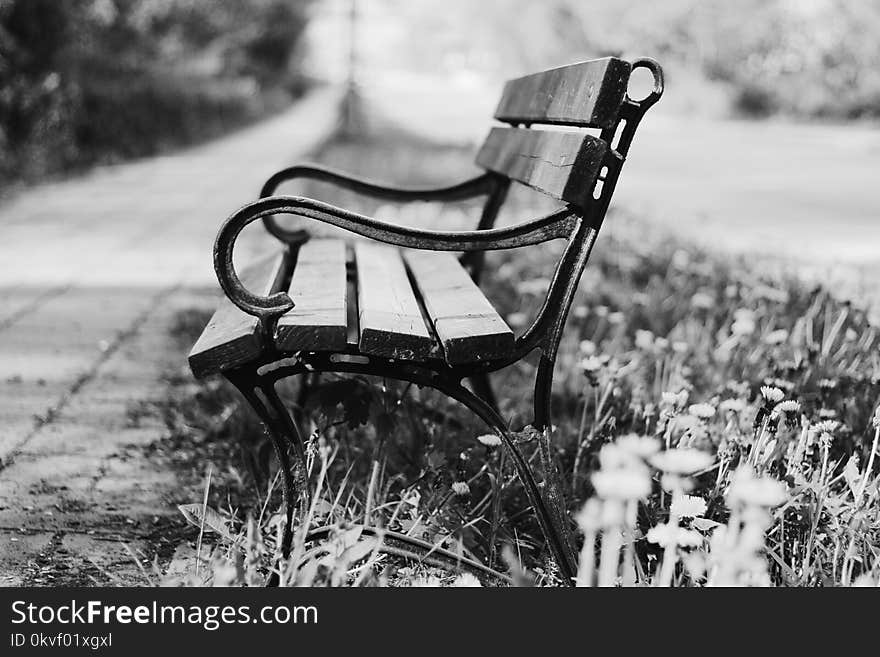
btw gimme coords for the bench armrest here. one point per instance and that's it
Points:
(478, 186)
(556, 225)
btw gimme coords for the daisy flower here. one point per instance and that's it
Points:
(772, 394)
(674, 399)
(776, 337)
(688, 506)
(743, 326)
(747, 489)
(702, 300)
(826, 426)
(587, 347)
(642, 446)
(590, 517)
(590, 365)
(702, 411)
(673, 536)
(733, 406)
(466, 580)
(489, 440)
(644, 340)
(681, 461)
(623, 484)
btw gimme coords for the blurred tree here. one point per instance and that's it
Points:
(84, 81)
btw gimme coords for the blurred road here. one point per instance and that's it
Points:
(806, 191)
(94, 269)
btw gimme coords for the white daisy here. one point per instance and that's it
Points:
(644, 340)
(772, 394)
(466, 580)
(642, 446)
(688, 506)
(588, 347)
(776, 337)
(702, 411)
(590, 517)
(624, 484)
(733, 406)
(590, 365)
(673, 536)
(681, 461)
(747, 489)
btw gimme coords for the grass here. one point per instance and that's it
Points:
(713, 425)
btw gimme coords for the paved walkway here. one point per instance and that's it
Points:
(94, 269)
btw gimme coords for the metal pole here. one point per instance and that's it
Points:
(352, 122)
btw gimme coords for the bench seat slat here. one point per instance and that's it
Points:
(468, 327)
(561, 164)
(319, 292)
(587, 94)
(231, 337)
(391, 321)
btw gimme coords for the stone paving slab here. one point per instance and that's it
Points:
(83, 477)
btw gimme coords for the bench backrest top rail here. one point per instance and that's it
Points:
(587, 95)
(564, 164)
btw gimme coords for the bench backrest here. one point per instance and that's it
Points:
(564, 165)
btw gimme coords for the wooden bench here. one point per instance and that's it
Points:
(399, 303)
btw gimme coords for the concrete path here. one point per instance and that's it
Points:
(94, 269)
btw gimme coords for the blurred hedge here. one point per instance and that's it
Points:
(83, 82)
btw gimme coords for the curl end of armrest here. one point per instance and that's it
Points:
(266, 308)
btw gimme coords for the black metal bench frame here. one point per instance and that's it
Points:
(579, 225)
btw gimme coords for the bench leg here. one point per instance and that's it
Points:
(307, 383)
(263, 398)
(547, 519)
(543, 394)
(261, 394)
(542, 422)
(482, 385)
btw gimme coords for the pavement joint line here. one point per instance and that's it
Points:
(97, 535)
(65, 398)
(35, 304)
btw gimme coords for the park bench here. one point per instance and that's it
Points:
(401, 303)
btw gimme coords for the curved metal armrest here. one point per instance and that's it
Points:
(476, 186)
(559, 224)
(480, 185)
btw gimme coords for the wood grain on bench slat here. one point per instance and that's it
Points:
(391, 322)
(588, 94)
(318, 288)
(562, 164)
(466, 324)
(231, 337)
